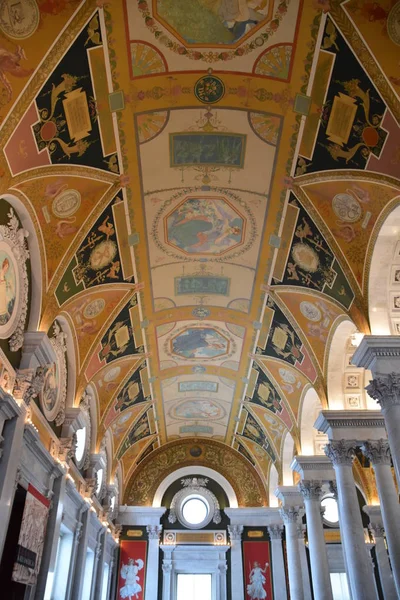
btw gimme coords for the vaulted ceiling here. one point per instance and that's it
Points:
(207, 179)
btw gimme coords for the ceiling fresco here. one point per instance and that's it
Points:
(206, 179)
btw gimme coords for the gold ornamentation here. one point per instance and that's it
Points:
(150, 473)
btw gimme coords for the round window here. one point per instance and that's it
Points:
(331, 514)
(195, 510)
(80, 444)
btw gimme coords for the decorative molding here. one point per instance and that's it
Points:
(341, 452)
(377, 530)
(194, 486)
(378, 453)
(14, 236)
(29, 384)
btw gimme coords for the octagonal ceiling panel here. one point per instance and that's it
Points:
(206, 31)
(194, 343)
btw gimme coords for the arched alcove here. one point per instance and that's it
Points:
(287, 457)
(310, 408)
(384, 278)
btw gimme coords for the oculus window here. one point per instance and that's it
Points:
(195, 510)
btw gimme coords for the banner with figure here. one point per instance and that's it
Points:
(132, 570)
(257, 571)
(31, 537)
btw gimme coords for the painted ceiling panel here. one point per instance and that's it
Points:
(206, 192)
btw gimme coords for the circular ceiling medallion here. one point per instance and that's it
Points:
(393, 24)
(310, 311)
(209, 89)
(112, 374)
(287, 376)
(195, 451)
(103, 254)
(19, 20)
(347, 208)
(94, 308)
(66, 204)
(305, 257)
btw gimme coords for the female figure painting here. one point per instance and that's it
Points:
(255, 587)
(129, 573)
(256, 560)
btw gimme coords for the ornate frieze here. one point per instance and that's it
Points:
(341, 452)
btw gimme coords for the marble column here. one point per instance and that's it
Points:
(360, 575)
(75, 585)
(381, 354)
(379, 455)
(386, 390)
(167, 570)
(222, 569)
(153, 532)
(97, 565)
(321, 581)
(98, 576)
(49, 557)
(237, 583)
(278, 565)
(290, 516)
(382, 559)
(305, 572)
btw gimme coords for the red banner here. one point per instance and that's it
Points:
(257, 571)
(132, 570)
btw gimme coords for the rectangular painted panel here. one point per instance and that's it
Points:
(198, 386)
(202, 285)
(212, 148)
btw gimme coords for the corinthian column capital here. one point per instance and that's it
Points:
(341, 452)
(291, 514)
(385, 389)
(311, 490)
(275, 531)
(235, 532)
(377, 452)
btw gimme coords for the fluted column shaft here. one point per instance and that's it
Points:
(385, 572)
(153, 553)
(379, 454)
(385, 389)
(359, 574)
(321, 580)
(237, 583)
(290, 516)
(278, 565)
